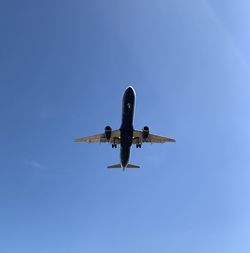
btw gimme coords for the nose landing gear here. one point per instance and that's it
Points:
(138, 145)
(114, 145)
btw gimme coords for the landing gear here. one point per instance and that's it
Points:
(138, 145)
(114, 145)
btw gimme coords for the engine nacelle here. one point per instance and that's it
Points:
(145, 132)
(108, 131)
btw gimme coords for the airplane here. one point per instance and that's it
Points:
(126, 135)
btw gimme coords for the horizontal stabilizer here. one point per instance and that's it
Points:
(132, 166)
(115, 166)
(119, 166)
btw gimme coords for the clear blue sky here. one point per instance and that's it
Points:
(63, 68)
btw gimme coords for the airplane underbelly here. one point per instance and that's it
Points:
(124, 155)
(126, 137)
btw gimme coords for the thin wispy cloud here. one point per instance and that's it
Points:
(35, 164)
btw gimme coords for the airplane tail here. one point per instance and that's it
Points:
(119, 166)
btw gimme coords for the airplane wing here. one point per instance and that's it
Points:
(101, 138)
(152, 138)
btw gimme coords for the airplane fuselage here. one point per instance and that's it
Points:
(126, 129)
(126, 135)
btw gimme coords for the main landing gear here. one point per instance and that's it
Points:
(138, 145)
(114, 145)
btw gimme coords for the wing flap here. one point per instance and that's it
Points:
(101, 138)
(159, 139)
(152, 138)
(93, 138)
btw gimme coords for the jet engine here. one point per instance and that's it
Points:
(108, 131)
(145, 132)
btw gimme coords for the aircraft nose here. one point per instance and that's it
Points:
(130, 90)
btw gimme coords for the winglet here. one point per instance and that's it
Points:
(171, 140)
(78, 140)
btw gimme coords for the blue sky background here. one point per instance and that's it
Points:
(63, 68)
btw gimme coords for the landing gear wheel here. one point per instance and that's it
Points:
(139, 145)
